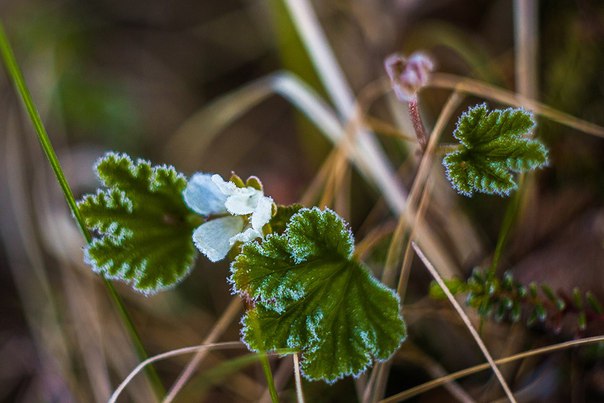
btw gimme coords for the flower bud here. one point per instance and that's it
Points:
(408, 75)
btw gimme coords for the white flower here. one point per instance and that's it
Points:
(211, 195)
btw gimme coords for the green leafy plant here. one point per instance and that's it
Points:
(295, 267)
(304, 288)
(309, 294)
(507, 299)
(492, 146)
(143, 223)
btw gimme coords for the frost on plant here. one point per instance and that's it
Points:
(310, 294)
(307, 291)
(143, 224)
(493, 147)
(239, 213)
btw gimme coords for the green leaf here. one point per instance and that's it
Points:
(455, 285)
(311, 295)
(492, 147)
(144, 226)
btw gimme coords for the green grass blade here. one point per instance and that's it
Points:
(17, 78)
(15, 74)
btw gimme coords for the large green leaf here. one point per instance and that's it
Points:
(492, 147)
(144, 226)
(310, 294)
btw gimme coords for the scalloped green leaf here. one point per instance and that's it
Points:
(144, 227)
(493, 147)
(309, 294)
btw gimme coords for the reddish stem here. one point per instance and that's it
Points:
(418, 124)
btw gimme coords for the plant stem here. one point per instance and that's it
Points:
(298, 379)
(266, 367)
(141, 353)
(509, 218)
(418, 124)
(16, 76)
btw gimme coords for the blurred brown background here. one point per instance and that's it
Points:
(137, 76)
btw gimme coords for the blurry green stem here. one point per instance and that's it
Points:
(511, 214)
(16, 76)
(266, 367)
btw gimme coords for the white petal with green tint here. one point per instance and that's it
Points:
(246, 236)
(213, 238)
(263, 213)
(203, 196)
(226, 187)
(243, 201)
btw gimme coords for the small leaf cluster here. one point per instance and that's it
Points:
(307, 293)
(492, 146)
(144, 227)
(508, 299)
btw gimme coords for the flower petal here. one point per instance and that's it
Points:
(227, 188)
(263, 213)
(203, 196)
(248, 235)
(243, 201)
(213, 237)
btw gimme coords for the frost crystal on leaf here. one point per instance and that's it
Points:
(143, 223)
(492, 147)
(242, 211)
(311, 295)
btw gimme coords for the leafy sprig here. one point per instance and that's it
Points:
(306, 290)
(508, 299)
(309, 294)
(491, 148)
(144, 227)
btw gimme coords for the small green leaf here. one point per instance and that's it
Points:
(492, 147)
(596, 306)
(582, 321)
(500, 313)
(549, 293)
(541, 312)
(516, 312)
(309, 294)
(144, 225)
(455, 285)
(578, 298)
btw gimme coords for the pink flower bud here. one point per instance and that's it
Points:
(408, 75)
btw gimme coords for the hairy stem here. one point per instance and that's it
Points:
(418, 124)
